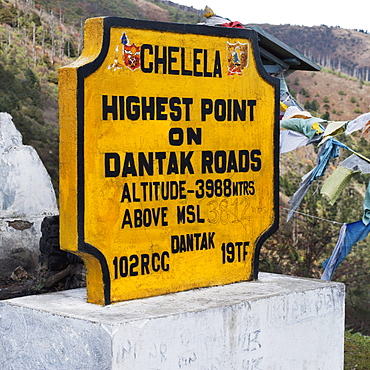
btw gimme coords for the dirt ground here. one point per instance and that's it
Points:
(12, 289)
(73, 276)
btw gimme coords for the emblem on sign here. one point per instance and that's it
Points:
(126, 55)
(168, 175)
(237, 57)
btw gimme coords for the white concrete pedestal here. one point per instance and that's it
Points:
(277, 322)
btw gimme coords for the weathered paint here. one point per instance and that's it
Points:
(124, 144)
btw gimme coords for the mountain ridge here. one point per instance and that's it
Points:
(336, 48)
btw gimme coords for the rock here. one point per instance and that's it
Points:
(59, 267)
(19, 274)
(26, 197)
(20, 224)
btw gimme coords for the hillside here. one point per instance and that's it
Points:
(75, 12)
(336, 48)
(343, 97)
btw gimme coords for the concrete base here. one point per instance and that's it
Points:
(277, 322)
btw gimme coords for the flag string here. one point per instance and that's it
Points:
(319, 218)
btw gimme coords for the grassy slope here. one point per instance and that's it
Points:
(356, 351)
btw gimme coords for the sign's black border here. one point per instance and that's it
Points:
(87, 69)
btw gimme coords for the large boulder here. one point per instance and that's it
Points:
(26, 197)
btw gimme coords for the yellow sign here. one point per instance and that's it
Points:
(169, 149)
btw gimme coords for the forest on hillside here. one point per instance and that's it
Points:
(335, 48)
(38, 37)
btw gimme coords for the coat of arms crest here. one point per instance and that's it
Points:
(237, 57)
(126, 55)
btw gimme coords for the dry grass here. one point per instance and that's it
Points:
(346, 97)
